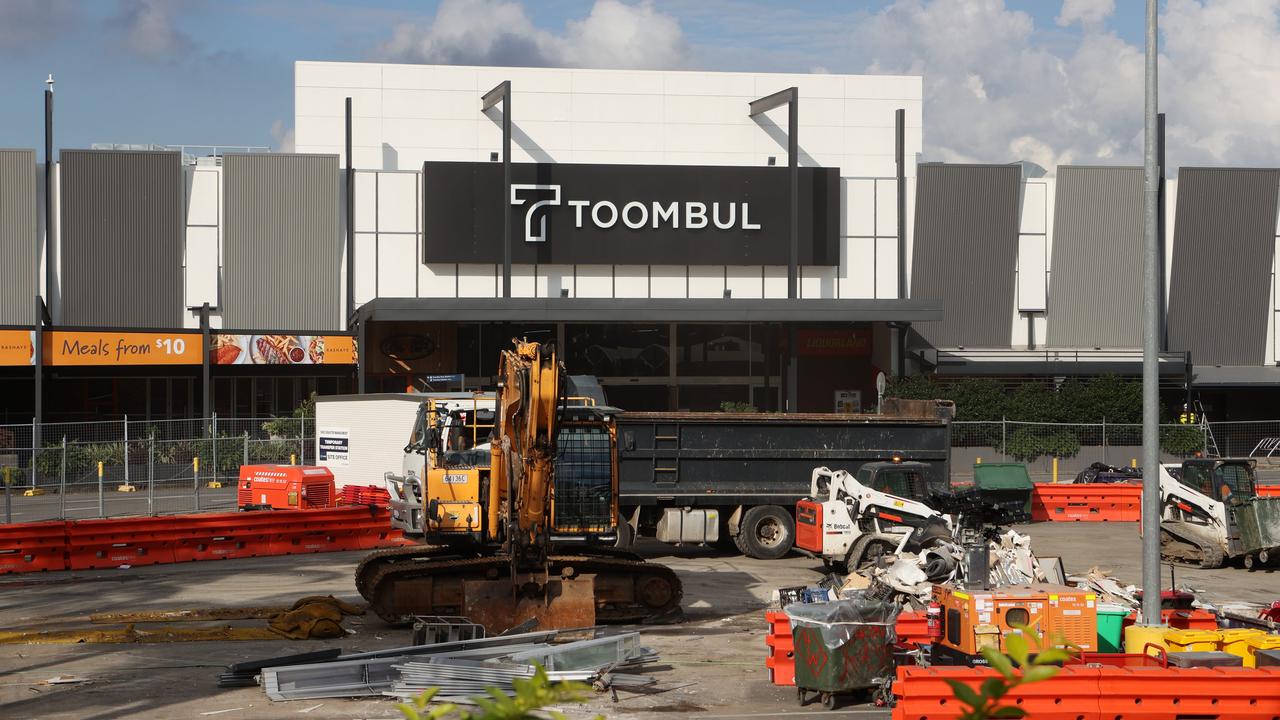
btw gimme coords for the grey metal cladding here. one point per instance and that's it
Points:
(281, 243)
(966, 241)
(122, 238)
(1095, 293)
(18, 228)
(1223, 246)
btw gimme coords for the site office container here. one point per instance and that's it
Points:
(678, 471)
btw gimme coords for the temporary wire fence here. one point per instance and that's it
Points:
(130, 467)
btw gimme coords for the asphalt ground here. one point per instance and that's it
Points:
(712, 666)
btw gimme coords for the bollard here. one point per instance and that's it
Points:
(293, 459)
(978, 461)
(195, 467)
(1133, 462)
(102, 510)
(62, 482)
(151, 475)
(8, 497)
(244, 455)
(1055, 468)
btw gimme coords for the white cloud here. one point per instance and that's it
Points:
(149, 29)
(995, 93)
(498, 32)
(1085, 12)
(25, 24)
(283, 136)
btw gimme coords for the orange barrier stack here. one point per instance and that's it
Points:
(1106, 691)
(109, 543)
(781, 661)
(1269, 490)
(97, 544)
(912, 628)
(363, 495)
(32, 547)
(1095, 502)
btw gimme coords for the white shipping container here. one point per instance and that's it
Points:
(376, 428)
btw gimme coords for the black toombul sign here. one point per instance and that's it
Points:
(628, 214)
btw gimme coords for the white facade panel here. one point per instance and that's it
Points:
(429, 133)
(706, 281)
(340, 75)
(555, 281)
(886, 207)
(366, 102)
(366, 262)
(858, 260)
(397, 202)
(1032, 262)
(817, 281)
(202, 266)
(867, 112)
(859, 208)
(631, 281)
(612, 82)
(478, 280)
(429, 77)
(524, 281)
(438, 280)
(428, 104)
(744, 281)
(203, 205)
(668, 281)
(366, 201)
(775, 281)
(397, 258)
(1034, 208)
(707, 84)
(887, 267)
(593, 281)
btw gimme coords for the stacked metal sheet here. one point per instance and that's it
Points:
(463, 669)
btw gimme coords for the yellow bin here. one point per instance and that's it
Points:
(1236, 640)
(1192, 640)
(1136, 638)
(1265, 642)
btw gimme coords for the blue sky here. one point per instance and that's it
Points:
(1039, 79)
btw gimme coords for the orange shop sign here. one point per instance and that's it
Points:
(91, 347)
(17, 347)
(833, 342)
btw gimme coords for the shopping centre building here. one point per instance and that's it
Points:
(650, 224)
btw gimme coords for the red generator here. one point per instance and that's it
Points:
(285, 487)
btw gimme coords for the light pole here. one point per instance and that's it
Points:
(1151, 343)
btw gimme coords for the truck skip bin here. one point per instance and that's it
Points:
(733, 479)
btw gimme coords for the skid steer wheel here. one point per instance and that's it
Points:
(766, 532)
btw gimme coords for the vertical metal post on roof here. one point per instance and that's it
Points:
(502, 93)
(362, 353)
(351, 225)
(900, 157)
(206, 402)
(791, 98)
(1151, 342)
(38, 351)
(48, 189)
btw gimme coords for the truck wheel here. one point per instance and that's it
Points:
(766, 533)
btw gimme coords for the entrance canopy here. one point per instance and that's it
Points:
(649, 310)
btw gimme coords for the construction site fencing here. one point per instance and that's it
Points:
(137, 467)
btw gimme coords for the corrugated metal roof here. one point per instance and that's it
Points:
(18, 228)
(282, 246)
(1095, 288)
(1223, 243)
(966, 240)
(122, 238)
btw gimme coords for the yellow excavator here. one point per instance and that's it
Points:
(518, 533)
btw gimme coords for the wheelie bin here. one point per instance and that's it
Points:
(843, 647)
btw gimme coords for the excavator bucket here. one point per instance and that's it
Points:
(556, 604)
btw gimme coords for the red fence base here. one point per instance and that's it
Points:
(109, 543)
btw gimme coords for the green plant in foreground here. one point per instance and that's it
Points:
(984, 703)
(532, 694)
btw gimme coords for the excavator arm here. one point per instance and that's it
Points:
(524, 454)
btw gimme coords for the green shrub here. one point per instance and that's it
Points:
(1183, 441)
(1029, 443)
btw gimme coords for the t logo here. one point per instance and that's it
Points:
(529, 234)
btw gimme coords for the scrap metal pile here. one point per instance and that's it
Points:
(460, 669)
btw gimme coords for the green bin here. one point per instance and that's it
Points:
(1007, 485)
(1259, 522)
(1111, 627)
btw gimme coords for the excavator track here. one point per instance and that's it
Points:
(627, 590)
(1175, 548)
(373, 561)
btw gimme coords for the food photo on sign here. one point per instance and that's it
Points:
(231, 349)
